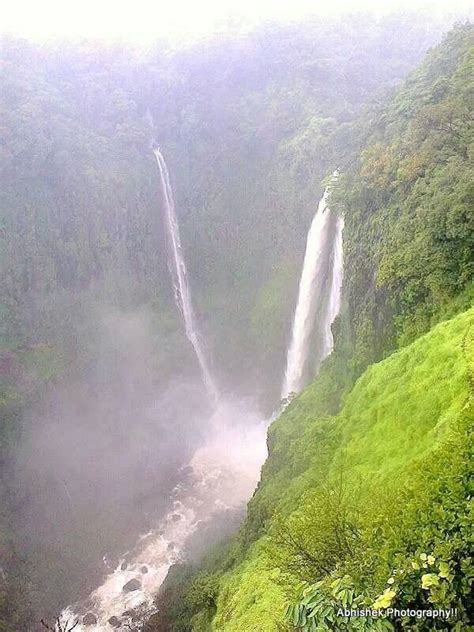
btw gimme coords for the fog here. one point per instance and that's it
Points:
(100, 455)
(205, 507)
(146, 21)
(117, 461)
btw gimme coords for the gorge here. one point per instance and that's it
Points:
(222, 474)
(236, 390)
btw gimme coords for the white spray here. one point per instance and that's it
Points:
(178, 271)
(318, 255)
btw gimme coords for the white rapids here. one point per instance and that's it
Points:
(222, 476)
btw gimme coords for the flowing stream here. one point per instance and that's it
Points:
(322, 265)
(220, 478)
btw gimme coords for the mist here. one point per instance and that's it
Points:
(181, 22)
(120, 470)
(157, 201)
(100, 455)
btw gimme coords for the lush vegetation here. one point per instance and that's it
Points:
(250, 125)
(364, 501)
(370, 506)
(408, 204)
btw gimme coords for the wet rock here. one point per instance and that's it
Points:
(133, 584)
(89, 619)
(144, 570)
(127, 613)
(115, 622)
(176, 517)
(123, 566)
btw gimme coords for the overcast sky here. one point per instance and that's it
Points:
(145, 20)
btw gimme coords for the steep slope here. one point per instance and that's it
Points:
(363, 494)
(82, 248)
(251, 125)
(408, 202)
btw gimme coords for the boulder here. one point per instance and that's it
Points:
(114, 622)
(89, 619)
(144, 570)
(133, 584)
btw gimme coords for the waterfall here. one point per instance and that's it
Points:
(318, 295)
(334, 299)
(179, 276)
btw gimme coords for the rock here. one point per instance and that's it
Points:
(176, 517)
(144, 570)
(171, 546)
(114, 622)
(89, 619)
(133, 584)
(123, 567)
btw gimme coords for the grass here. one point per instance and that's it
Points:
(397, 415)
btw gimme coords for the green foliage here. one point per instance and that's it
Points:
(321, 604)
(437, 518)
(249, 123)
(316, 538)
(174, 611)
(408, 205)
(203, 591)
(353, 500)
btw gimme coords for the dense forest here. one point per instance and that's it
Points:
(363, 501)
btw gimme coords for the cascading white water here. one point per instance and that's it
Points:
(323, 256)
(334, 299)
(221, 477)
(178, 271)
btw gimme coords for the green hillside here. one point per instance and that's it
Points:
(364, 498)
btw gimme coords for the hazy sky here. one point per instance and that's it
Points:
(145, 20)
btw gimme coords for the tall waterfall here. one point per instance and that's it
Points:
(178, 271)
(318, 296)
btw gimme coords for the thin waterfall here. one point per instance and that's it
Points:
(179, 276)
(323, 259)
